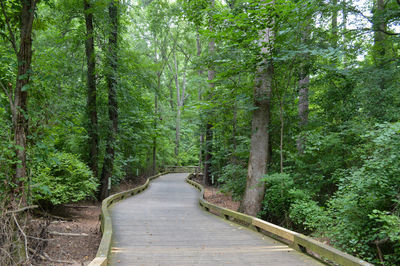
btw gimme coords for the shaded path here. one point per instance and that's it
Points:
(165, 226)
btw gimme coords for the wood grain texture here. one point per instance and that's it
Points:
(164, 225)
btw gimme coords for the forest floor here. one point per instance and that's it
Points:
(215, 196)
(73, 230)
(81, 219)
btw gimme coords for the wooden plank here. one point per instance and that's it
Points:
(328, 252)
(165, 226)
(274, 229)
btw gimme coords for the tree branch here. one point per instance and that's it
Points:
(22, 209)
(25, 239)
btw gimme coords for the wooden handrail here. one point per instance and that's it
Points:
(101, 258)
(190, 168)
(296, 240)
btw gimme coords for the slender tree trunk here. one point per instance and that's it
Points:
(344, 40)
(201, 126)
(380, 27)
(255, 188)
(112, 82)
(93, 140)
(234, 127)
(178, 106)
(303, 106)
(20, 112)
(207, 179)
(334, 23)
(154, 167)
(281, 118)
(209, 133)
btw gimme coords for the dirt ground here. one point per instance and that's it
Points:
(213, 195)
(63, 248)
(73, 230)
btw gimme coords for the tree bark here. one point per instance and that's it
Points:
(20, 113)
(154, 166)
(380, 26)
(93, 140)
(304, 84)
(334, 23)
(112, 83)
(200, 93)
(207, 179)
(259, 151)
(209, 134)
(178, 106)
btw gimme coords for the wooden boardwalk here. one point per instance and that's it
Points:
(165, 226)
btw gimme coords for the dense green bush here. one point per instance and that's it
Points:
(233, 179)
(365, 210)
(287, 204)
(62, 178)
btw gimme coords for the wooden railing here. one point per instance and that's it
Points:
(295, 240)
(182, 169)
(101, 258)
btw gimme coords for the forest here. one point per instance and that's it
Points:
(290, 106)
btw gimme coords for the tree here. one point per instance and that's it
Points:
(19, 99)
(259, 149)
(93, 140)
(209, 133)
(112, 84)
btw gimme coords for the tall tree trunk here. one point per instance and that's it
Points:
(93, 140)
(207, 179)
(259, 150)
(334, 23)
(178, 106)
(201, 145)
(112, 83)
(20, 113)
(154, 167)
(304, 84)
(380, 26)
(209, 134)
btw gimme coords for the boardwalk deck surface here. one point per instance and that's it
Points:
(165, 226)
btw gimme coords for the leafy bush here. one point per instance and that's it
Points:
(365, 210)
(61, 179)
(307, 215)
(233, 179)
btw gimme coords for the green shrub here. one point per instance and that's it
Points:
(307, 215)
(366, 207)
(233, 180)
(61, 179)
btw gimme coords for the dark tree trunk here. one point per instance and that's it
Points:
(259, 150)
(304, 84)
(93, 140)
(154, 166)
(112, 82)
(20, 112)
(201, 126)
(208, 156)
(380, 26)
(334, 23)
(209, 134)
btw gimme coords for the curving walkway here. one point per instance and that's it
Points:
(165, 226)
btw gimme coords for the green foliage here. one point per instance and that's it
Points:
(233, 180)
(307, 215)
(280, 193)
(366, 206)
(61, 179)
